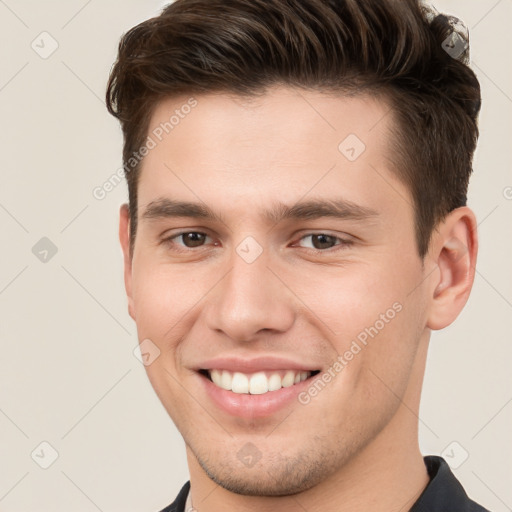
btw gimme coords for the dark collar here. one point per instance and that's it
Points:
(444, 493)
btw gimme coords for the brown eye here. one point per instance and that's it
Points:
(192, 238)
(322, 242)
(185, 241)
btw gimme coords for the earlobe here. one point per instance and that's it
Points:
(455, 250)
(124, 238)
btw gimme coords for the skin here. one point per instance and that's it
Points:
(356, 442)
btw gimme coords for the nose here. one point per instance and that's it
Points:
(250, 300)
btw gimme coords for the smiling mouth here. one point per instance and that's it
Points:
(257, 383)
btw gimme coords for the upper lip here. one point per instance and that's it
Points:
(255, 364)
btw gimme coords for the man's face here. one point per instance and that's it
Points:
(248, 294)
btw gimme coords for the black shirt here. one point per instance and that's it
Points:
(444, 493)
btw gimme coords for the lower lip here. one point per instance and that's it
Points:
(253, 406)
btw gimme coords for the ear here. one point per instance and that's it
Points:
(454, 249)
(124, 238)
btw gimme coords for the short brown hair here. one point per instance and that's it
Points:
(385, 47)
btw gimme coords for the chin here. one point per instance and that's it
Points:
(260, 483)
(278, 475)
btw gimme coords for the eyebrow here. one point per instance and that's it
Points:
(305, 210)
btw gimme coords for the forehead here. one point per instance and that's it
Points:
(287, 141)
(281, 114)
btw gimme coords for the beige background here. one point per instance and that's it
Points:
(68, 375)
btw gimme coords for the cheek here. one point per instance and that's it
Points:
(373, 320)
(352, 301)
(161, 303)
(389, 354)
(377, 365)
(161, 300)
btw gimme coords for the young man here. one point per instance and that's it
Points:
(297, 226)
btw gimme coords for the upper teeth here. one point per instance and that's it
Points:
(257, 383)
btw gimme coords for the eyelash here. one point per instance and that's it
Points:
(344, 243)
